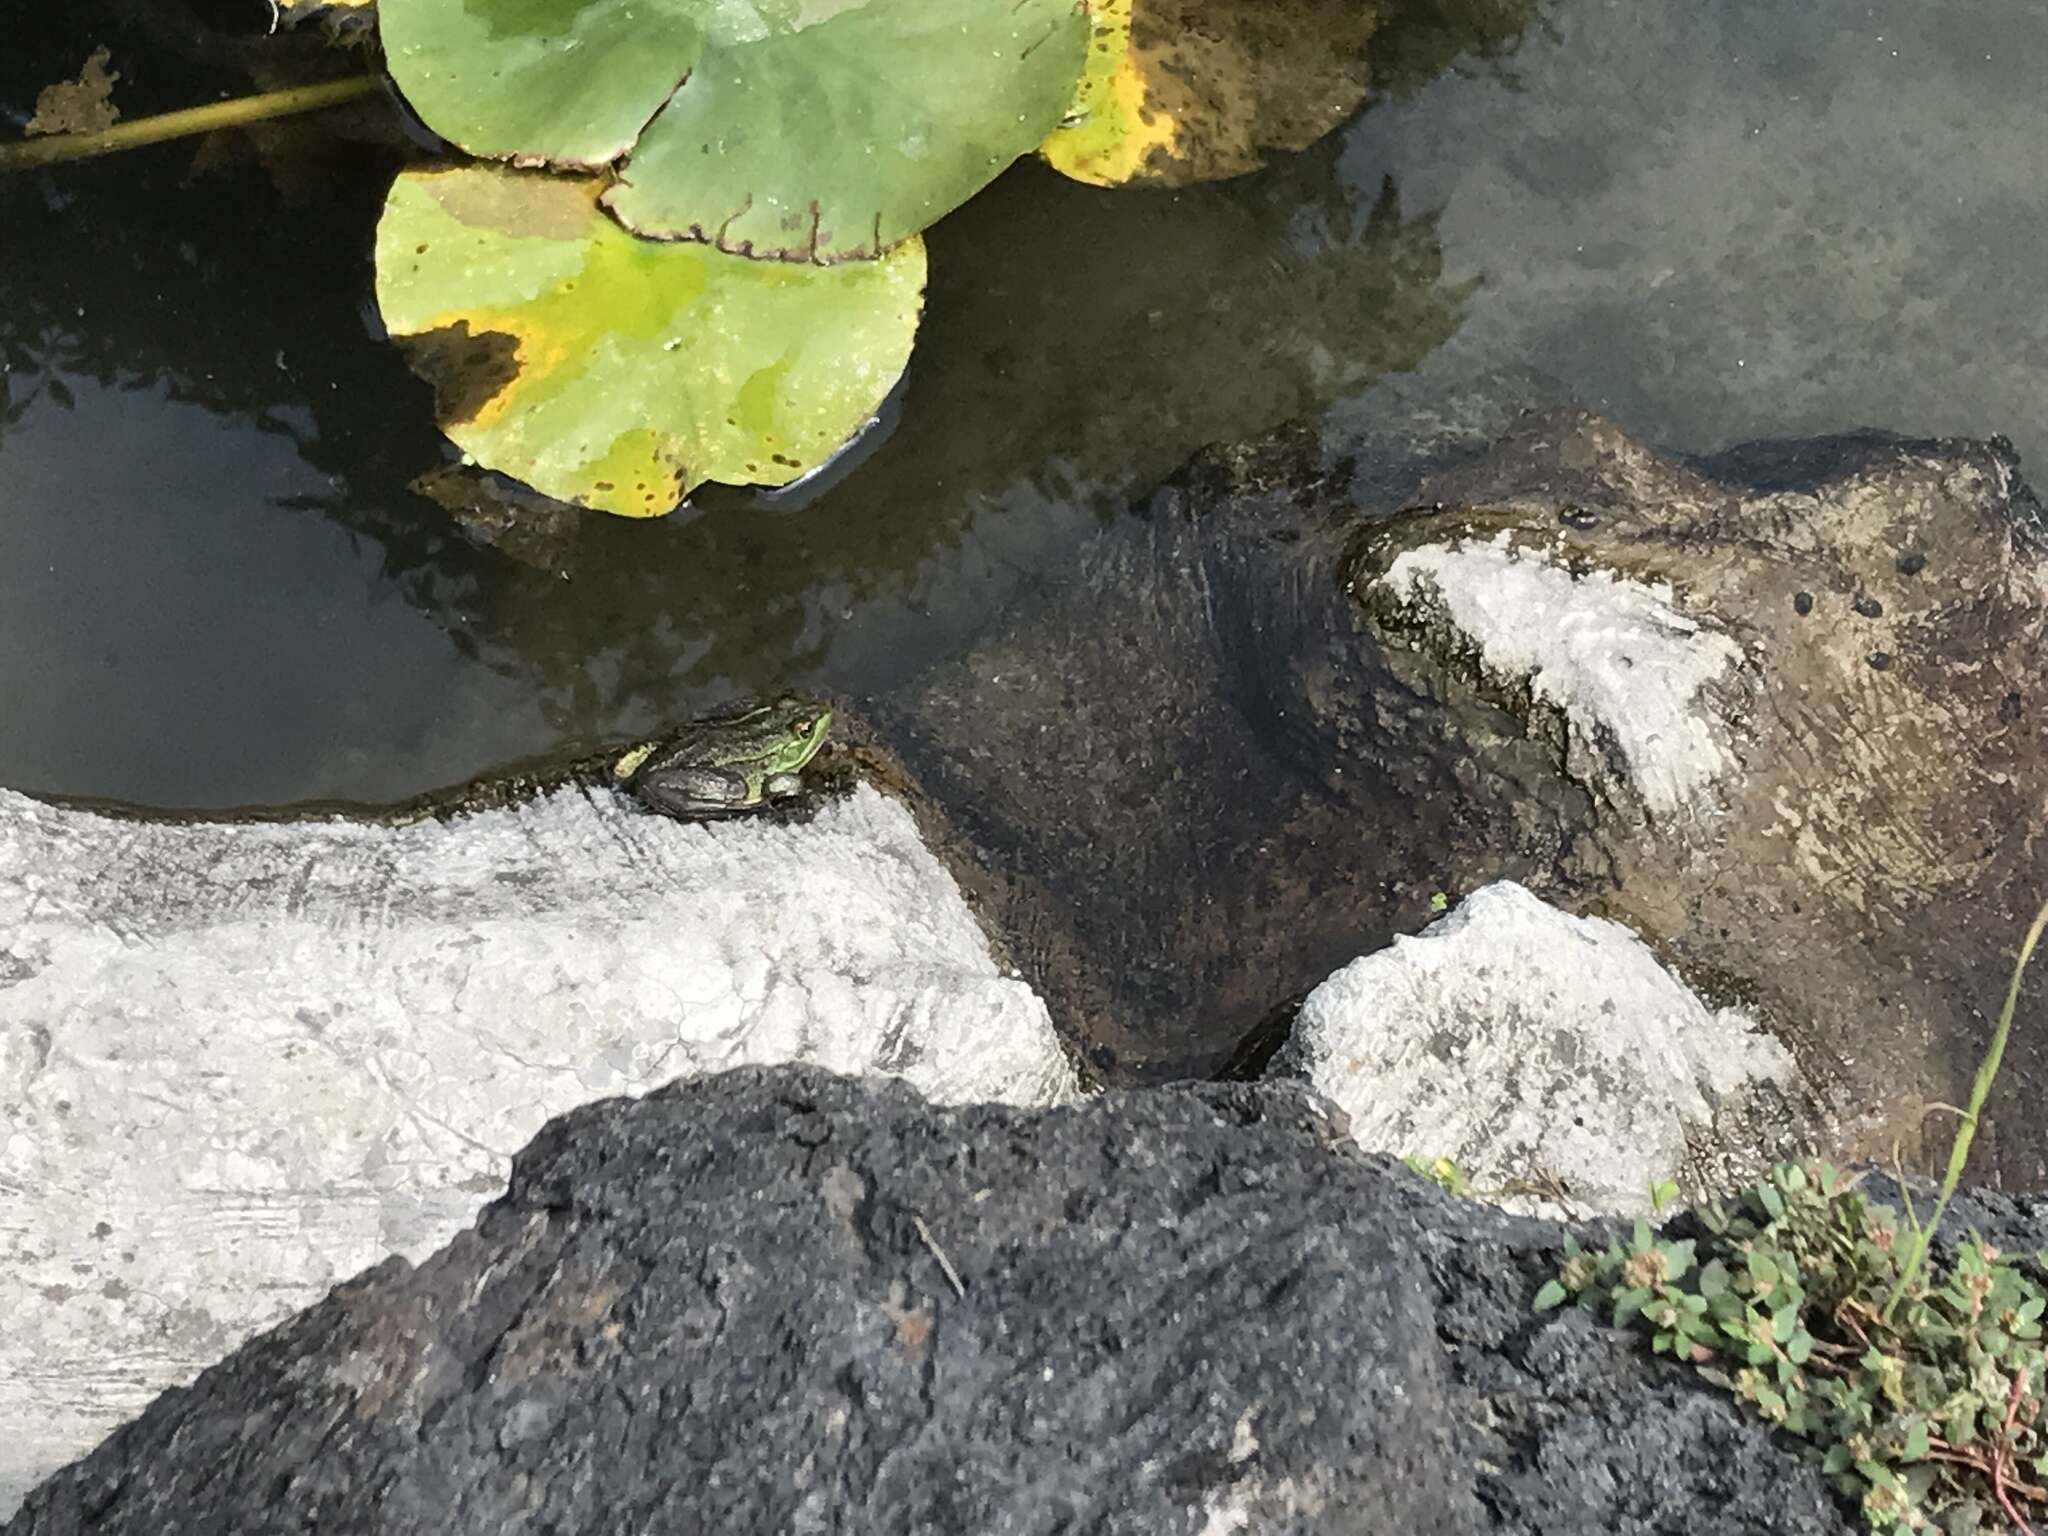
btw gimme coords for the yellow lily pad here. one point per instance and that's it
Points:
(619, 373)
(1182, 91)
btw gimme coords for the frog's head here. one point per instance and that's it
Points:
(794, 729)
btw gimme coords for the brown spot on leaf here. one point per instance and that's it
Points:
(466, 371)
(536, 206)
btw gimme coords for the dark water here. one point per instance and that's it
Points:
(1713, 219)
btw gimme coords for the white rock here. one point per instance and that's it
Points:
(239, 1063)
(1529, 1045)
(1615, 655)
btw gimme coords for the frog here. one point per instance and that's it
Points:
(727, 764)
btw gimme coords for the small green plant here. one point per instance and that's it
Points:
(1929, 1420)
(1920, 1386)
(1443, 1173)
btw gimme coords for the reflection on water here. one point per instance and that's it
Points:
(1714, 220)
(1723, 219)
(1078, 345)
(176, 614)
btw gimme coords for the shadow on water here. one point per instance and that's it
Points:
(223, 590)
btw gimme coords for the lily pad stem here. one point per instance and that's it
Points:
(179, 125)
(1959, 1150)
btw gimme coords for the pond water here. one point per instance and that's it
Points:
(1711, 219)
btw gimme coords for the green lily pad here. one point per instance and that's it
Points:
(619, 373)
(821, 130)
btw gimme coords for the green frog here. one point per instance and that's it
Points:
(728, 763)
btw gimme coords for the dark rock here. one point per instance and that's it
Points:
(1850, 863)
(732, 1307)
(1167, 771)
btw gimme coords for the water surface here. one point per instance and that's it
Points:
(1713, 220)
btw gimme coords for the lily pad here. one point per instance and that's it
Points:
(820, 130)
(619, 373)
(1184, 91)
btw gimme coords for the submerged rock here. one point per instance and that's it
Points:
(779, 1301)
(1147, 807)
(239, 1061)
(1791, 699)
(1779, 713)
(1551, 1058)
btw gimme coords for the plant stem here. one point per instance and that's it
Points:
(178, 125)
(1980, 1090)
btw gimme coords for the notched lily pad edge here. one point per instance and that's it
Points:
(695, 233)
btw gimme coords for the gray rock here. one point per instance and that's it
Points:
(777, 1300)
(1551, 1058)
